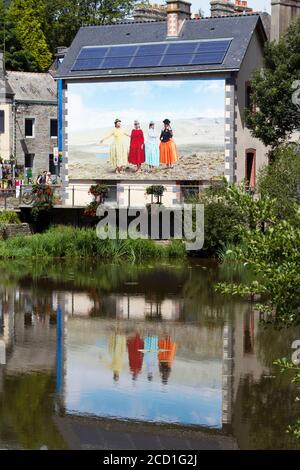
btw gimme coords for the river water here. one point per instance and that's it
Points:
(100, 356)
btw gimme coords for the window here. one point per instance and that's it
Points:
(250, 170)
(54, 169)
(2, 120)
(53, 128)
(29, 157)
(29, 127)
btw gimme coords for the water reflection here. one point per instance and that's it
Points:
(152, 344)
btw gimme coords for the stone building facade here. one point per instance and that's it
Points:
(29, 109)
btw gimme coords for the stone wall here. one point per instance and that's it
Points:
(12, 230)
(41, 145)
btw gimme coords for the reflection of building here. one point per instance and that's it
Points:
(29, 119)
(137, 307)
(244, 36)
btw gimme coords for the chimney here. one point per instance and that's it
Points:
(177, 12)
(222, 7)
(284, 12)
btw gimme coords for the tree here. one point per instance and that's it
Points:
(275, 116)
(28, 17)
(16, 57)
(63, 18)
(281, 180)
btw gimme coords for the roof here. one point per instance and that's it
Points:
(32, 87)
(239, 28)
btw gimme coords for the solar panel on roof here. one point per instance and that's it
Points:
(205, 59)
(146, 61)
(169, 60)
(88, 64)
(115, 63)
(151, 49)
(122, 51)
(182, 48)
(152, 55)
(93, 53)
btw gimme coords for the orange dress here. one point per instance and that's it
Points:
(168, 150)
(167, 350)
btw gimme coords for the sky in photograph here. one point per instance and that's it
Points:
(97, 105)
(257, 5)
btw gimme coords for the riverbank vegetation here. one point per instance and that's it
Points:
(64, 242)
(266, 240)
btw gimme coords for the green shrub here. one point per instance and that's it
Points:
(9, 217)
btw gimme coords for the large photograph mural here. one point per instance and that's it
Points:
(164, 129)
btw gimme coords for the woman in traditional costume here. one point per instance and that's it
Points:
(118, 154)
(137, 146)
(152, 147)
(168, 151)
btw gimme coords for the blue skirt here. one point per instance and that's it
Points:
(152, 153)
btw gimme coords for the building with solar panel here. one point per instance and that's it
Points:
(194, 72)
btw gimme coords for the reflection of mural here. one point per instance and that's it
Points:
(166, 356)
(103, 145)
(135, 356)
(117, 348)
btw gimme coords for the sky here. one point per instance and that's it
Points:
(96, 105)
(258, 5)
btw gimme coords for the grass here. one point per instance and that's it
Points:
(67, 242)
(9, 217)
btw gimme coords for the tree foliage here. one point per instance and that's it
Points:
(275, 116)
(29, 21)
(281, 180)
(32, 30)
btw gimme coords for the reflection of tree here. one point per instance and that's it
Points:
(201, 299)
(272, 344)
(263, 411)
(26, 410)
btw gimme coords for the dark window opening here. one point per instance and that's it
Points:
(29, 127)
(250, 171)
(29, 158)
(2, 122)
(53, 128)
(53, 169)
